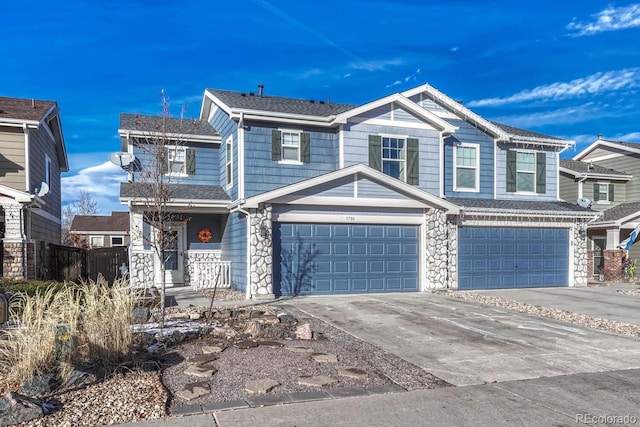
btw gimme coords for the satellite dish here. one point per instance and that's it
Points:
(42, 189)
(122, 159)
(585, 203)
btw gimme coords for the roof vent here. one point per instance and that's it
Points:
(600, 136)
(243, 94)
(260, 90)
(321, 102)
(312, 101)
(33, 103)
(590, 166)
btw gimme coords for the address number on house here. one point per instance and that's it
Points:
(350, 218)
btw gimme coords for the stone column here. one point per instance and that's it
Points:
(441, 250)
(613, 265)
(13, 242)
(580, 257)
(261, 252)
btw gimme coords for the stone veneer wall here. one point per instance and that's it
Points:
(141, 269)
(193, 257)
(261, 253)
(441, 251)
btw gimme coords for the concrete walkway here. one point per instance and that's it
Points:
(601, 301)
(610, 398)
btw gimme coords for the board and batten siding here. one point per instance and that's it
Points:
(226, 127)
(234, 249)
(501, 175)
(467, 133)
(629, 163)
(12, 164)
(262, 173)
(568, 188)
(356, 149)
(41, 145)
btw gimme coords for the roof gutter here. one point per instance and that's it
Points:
(545, 214)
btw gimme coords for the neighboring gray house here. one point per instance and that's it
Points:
(32, 157)
(605, 173)
(406, 193)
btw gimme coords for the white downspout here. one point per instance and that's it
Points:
(26, 158)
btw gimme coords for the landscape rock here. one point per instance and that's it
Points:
(213, 348)
(287, 319)
(246, 344)
(354, 373)
(39, 384)
(141, 314)
(297, 349)
(194, 390)
(270, 344)
(262, 386)
(317, 381)
(304, 332)
(324, 358)
(16, 409)
(202, 371)
(202, 359)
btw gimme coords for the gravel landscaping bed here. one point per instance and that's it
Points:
(551, 313)
(135, 394)
(634, 292)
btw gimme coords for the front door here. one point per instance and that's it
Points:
(173, 256)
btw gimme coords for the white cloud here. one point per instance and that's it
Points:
(627, 137)
(594, 84)
(567, 115)
(98, 177)
(396, 83)
(609, 19)
(455, 49)
(410, 77)
(376, 65)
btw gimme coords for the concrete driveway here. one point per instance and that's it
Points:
(466, 343)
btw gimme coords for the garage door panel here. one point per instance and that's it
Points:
(527, 257)
(347, 258)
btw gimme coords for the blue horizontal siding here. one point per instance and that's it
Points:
(469, 134)
(226, 127)
(234, 249)
(356, 149)
(264, 174)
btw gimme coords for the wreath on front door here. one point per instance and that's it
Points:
(205, 235)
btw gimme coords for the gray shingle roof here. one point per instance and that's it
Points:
(23, 109)
(523, 132)
(586, 167)
(635, 145)
(277, 104)
(620, 211)
(117, 221)
(144, 123)
(520, 205)
(177, 191)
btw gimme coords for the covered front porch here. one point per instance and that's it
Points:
(180, 243)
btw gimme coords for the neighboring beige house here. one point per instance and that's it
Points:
(102, 231)
(32, 157)
(604, 174)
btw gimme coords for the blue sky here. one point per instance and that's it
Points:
(565, 68)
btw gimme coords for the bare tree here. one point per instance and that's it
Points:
(162, 153)
(83, 205)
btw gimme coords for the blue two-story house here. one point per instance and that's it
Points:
(406, 193)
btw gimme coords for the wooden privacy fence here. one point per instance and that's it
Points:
(75, 264)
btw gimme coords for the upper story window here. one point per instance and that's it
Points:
(229, 162)
(526, 172)
(180, 161)
(293, 147)
(603, 192)
(396, 156)
(467, 167)
(47, 170)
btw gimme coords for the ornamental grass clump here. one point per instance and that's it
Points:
(96, 319)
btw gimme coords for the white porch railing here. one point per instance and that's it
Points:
(209, 274)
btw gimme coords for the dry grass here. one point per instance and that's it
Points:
(96, 316)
